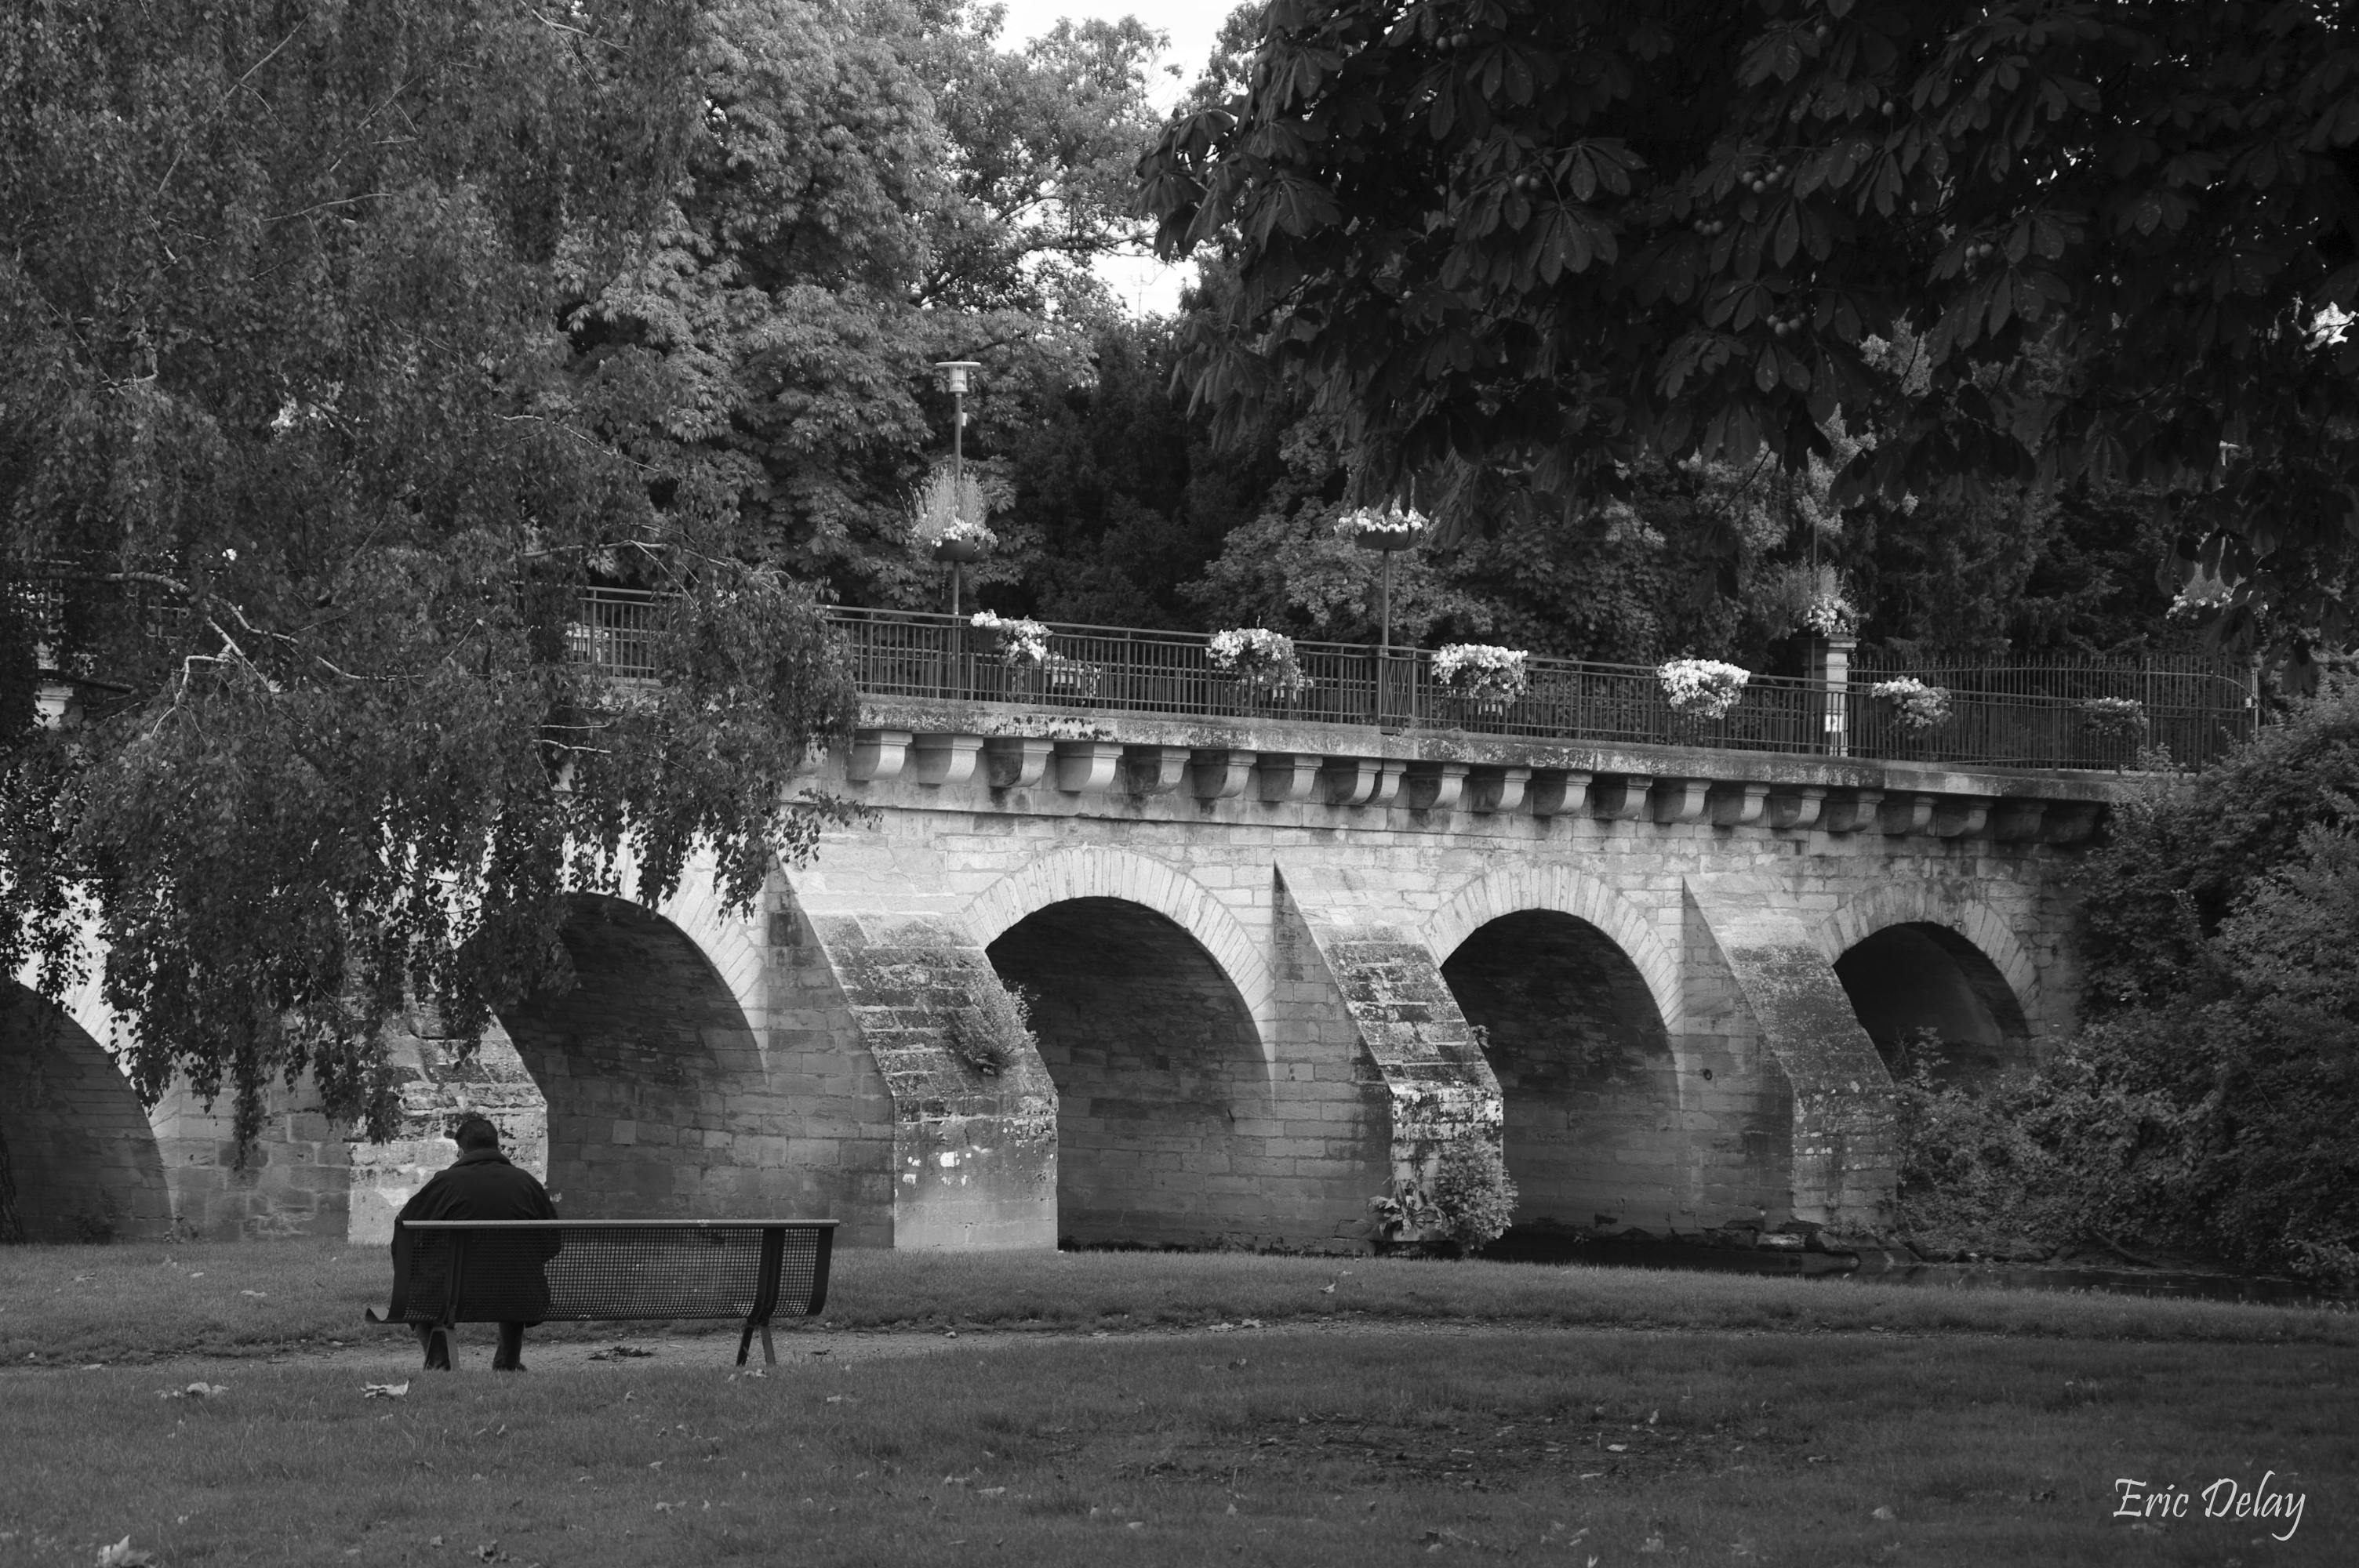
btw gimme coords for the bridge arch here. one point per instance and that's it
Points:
(1918, 955)
(1161, 1065)
(1577, 1000)
(1519, 886)
(649, 1069)
(1090, 871)
(85, 1162)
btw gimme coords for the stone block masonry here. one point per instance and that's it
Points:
(1267, 959)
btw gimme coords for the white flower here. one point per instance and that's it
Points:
(1390, 518)
(1916, 706)
(964, 531)
(1243, 648)
(1260, 657)
(1830, 615)
(1018, 639)
(1701, 688)
(1483, 671)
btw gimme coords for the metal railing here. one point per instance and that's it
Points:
(2020, 715)
(615, 629)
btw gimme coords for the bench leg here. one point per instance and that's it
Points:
(746, 1341)
(768, 1355)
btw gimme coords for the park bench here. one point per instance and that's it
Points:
(544, 1271)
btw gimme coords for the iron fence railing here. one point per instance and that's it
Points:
(615, 629)
(2038, 713)
(2020, 715)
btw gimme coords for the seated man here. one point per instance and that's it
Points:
(482, 1184)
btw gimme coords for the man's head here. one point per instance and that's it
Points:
(475, 1134)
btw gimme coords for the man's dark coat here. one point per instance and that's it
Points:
(504, 1281)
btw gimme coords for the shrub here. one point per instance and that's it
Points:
(1469, 1204)
(1473, 1192)
(995, 1030)
(2211, 1102)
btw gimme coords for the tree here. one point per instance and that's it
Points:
(2209, 1102)
(1517, 244)
(300, 479)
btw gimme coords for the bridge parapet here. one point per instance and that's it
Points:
(1442, 775)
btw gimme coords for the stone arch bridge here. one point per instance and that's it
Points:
(1274, 966)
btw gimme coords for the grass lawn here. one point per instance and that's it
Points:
(80, 1304)
(1384, 1411)
(1369, 1446)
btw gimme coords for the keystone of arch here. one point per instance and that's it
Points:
(1095, 871)
(1931, 903)
(1517, 886)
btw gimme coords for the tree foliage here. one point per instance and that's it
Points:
(1515, 244)
(2208, 1103)
(301, 475)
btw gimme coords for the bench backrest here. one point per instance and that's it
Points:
(537, 1271)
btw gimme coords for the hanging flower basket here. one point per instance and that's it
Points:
(964, 543)
(1701, 688)
(1916, 707)
(1387, 528)
(1489, 677)
(1261, 661)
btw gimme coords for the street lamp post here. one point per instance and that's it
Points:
(1391, 532)
(956, 373)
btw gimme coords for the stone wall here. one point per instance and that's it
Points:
(1259, 949)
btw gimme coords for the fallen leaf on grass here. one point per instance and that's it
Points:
(621, 1353)
(254, 1292)
(384, 1390)
(123, 1554)
(1884, 1511)
(194, 1392)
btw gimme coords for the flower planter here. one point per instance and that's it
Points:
(961, 552)
(1385, 540)
(1480, 680)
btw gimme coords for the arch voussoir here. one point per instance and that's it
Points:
(1100, 871)
(1508, 889)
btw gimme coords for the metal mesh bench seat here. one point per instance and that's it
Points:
(541, 1270)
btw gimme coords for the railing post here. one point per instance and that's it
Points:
(1831, 670)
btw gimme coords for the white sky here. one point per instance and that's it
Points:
(1144, 283)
